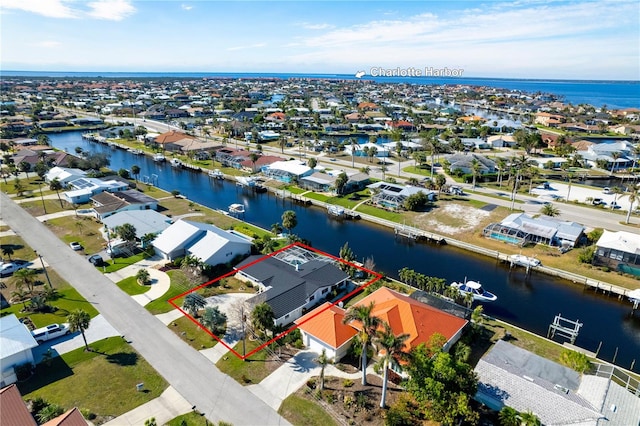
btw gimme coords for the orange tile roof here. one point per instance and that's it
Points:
(71, 417)
(171, 137)
(325, 323)
(406, 315)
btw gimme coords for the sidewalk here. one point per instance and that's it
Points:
(160, 281)
(164, 408)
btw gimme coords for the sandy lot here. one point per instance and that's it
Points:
(460, 219)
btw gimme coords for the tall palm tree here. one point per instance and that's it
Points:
(616, 190)
(615, 156)
(502, 165)
(633, 197)
(475, 170)
(26, 277)
(369, 323)
(79, 320)
(393, 347)
(570, 177)
(56, 185)
(323, 360)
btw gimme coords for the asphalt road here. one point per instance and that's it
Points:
(215, 394)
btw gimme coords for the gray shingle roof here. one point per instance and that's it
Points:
(290, 287)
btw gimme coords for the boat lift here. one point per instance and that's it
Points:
(564, 328)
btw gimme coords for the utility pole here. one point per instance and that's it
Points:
(46, 274)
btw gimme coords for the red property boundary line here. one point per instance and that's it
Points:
(376, 277)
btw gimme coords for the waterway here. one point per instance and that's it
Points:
(528, 301)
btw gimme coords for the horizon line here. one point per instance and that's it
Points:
(7, 73)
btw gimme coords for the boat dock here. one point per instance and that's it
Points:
(417, 234)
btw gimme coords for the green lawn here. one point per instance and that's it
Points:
(131, 287)
(102, 381)
(192, 334)
(118, 263)
(83, 229)
(317, 196)
(419, 170)
(253, 369)
(190, 419)
(303, 412)
(344, 201)
(383, 214)
(294, 189)
(179, 284)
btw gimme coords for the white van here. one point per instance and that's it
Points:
(50, 332)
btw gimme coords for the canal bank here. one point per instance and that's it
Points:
(529, 300)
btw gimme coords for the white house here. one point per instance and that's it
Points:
(286, 171)
(208, 243)
(64, 174)
(84, 188)
(16, 343)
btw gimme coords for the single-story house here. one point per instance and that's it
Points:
(86, 187)
(64, 174)
(501, 141)
(619, 250)
(322, 182)
(145, 221)
(106, 204)
(208, 243)
(262, 161)
(392, 196)
(168, 140)
(322, 328)
(291, 286)
(557, 395)
(361, 150)
(522, 229)
(232, 157)
(287, 171)
(464, 162)
(16, 343)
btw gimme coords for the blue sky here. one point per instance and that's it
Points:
(522, 39)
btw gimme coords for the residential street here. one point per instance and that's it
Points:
(189, 372)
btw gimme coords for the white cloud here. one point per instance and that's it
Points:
(251, 46)
(186, 7)
(49, 8)
(113, 10)
(310, 26)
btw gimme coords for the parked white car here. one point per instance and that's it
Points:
(7, 269)
(50, 332)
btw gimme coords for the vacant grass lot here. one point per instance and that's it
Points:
(302, 412)
(83, 229)
(251, 371)
(102, 381)
(382, 214)
(192, 334)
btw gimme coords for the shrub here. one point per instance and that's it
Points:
(586, 254)
(347, 383)
(23, 371)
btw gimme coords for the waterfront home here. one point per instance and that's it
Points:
(208, 243)
(362, 150)
(322, 182)
(392, 196)
(501, 141)
(145, 221)
(168, 140)
(230, 157)
(464, 163)
(84, 188)
(106, 204)
(509, 376)
(619, 250)
(16, 344)
(607, 152)
(287, 171)
(323, 327)
(548, 120)
(522, 229)
(291, 284)
(262, 161)
(63, 174)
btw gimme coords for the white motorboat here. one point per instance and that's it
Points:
(216, 174)
(526, 261)
(236, 209)
(474, 288)
(176, 163)
(159, 158)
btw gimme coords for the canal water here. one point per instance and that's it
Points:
(528, 301)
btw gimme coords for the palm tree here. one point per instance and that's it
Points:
(509, 417)
(633, 197)
(7, 250)
(323, 360)
(475, 170)
(550, 210)
(615, 156)
(529, 419)
(502, 164)
(368, 326)
(393, 347)
(79, 320)
(616, 190)
(262, 317)
(56, 185)
(135, 171)
(26, 277)
(570, 177)
(289, 220)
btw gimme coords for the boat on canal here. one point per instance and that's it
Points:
(216, 174)
(176, 163)
(159, 158)
(475, 288)
(526, 261)
(236, 209)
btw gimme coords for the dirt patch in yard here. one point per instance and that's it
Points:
(453, 219)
